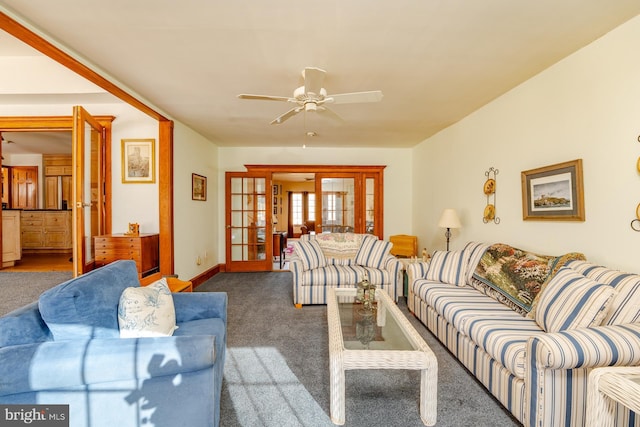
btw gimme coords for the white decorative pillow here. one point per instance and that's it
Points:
(147, 311)
(310, 254)
(571, 300)
(448, 267)
(373, 253)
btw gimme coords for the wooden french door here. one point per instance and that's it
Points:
(89, 206)
(248, 223)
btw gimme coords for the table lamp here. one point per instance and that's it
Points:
(449, 219)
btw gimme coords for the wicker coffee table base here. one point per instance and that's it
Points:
(608, 386)
(341, 360)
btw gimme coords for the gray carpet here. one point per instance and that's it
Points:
(276, 372)
(18, 289)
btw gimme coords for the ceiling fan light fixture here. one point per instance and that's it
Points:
(312, 95)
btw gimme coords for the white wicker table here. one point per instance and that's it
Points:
(608, 386)
(383, 340)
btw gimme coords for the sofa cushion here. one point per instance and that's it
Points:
(23, 326)
(447, 267)
(495, 328)
(473, 251)
(310, 254)
(512, 276)
(571, 300)
(338, 248)
(558, 263)
(373, 253)
(147, 311)
(625, 307)
(87, 306)
(345, 275)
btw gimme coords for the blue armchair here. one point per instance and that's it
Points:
(65, 349)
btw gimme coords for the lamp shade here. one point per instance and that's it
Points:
(449, 219)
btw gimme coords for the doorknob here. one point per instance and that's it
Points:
(82, 205)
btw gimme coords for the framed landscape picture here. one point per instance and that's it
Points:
(138, 161)
(553, 192)
(198, 187)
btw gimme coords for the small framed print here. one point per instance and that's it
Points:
(553, 193)
(138, 161)
(198, 187)
(275, 190)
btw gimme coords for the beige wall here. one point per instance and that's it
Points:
(586, 106)
(196, 231)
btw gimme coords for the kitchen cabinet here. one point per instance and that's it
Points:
(11, 245)
(46, 231)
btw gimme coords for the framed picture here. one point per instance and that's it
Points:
(553, 193)
(275, 190)
(138, 161)
(198, 187)
(275, 201)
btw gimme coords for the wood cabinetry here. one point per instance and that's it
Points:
(46, 230)
(58, 177)
(6, 186)
(11, 247)
(24, 187)
(144, 249)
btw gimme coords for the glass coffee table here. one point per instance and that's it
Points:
(381, 338)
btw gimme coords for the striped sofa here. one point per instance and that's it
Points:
(342, 260)
(535, 363)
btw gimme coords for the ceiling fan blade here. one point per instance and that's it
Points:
(265, 97)
(313, 80)
(329, 113)
(286, 115)
(355, 97)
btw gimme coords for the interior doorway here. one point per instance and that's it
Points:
(57, 252)
(260, 206)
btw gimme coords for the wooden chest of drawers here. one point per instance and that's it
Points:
(143, 249)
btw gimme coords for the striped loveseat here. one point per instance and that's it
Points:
(534, 357)
(339, 260)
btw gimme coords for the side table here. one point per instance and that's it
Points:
(177, 285)
(608, 387)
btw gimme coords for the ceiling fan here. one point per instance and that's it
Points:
(313, 97)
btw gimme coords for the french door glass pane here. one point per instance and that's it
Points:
(338, 214)
(369, 205)
(248, 219)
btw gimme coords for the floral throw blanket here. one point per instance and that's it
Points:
(516, 277)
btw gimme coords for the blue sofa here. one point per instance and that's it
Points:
(65, 349)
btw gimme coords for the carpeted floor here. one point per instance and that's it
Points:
(18, 289)
(276, 371)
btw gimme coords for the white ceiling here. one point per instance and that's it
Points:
(436, 61)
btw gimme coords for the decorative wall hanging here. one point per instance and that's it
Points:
(635, 223)
(489, 189)
(198, 187)
(138, 161)
(553, 193)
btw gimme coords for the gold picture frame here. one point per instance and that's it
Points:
(553, 193)
(198, 187)
(138, 161)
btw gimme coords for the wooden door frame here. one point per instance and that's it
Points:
(165, 132)
(367, 171)
(248, 265)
